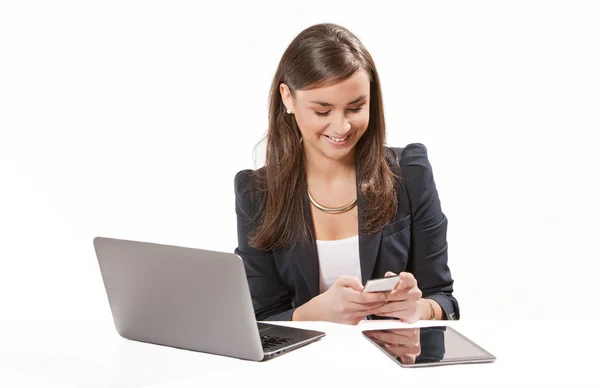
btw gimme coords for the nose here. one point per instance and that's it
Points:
(343, 129)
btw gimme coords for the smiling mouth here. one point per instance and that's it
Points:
(337, 139)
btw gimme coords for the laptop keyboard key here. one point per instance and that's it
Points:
(269, 342)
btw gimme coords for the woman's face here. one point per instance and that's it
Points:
(332, 119)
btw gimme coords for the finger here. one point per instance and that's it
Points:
(397, 294)
(366, 308)
(413, 294)
(406, 316)
(349, 281)
(361, 314)
(389, 273)
(357, 319)
(391, 307)
(363, 297)
(371, 311)
(407, 280)
(358, 309)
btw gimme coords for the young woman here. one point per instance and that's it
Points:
(333, 206)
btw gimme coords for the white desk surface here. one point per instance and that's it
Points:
(93, 355)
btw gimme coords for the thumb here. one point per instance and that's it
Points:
(349, 281)
(399, 285)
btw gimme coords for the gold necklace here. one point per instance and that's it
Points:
(333, 210)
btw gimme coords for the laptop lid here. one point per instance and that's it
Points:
(180, 297)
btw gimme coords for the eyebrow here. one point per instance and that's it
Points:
(329, 104)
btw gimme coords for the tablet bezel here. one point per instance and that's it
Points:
(487, 358)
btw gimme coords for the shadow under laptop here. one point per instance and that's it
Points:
(138, 364)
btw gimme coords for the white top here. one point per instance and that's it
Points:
(336, 258)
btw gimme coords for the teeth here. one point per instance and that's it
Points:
(337, 139)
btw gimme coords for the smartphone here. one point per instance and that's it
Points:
(382, 284)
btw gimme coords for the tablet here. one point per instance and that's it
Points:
(428, 346)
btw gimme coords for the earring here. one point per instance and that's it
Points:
(300, 139)
(289, 111)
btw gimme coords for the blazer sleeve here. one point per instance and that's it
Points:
(271, 299)
(428, 261)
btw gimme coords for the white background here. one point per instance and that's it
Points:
(130, 119)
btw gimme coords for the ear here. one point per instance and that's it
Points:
(286, 97)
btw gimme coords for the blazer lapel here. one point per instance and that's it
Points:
(368, 244)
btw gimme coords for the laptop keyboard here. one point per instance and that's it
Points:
(270, 342)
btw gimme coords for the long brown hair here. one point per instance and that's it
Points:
(321, 55)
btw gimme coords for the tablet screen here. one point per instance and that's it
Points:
(428, 346)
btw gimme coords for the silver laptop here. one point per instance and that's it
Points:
(190, 299)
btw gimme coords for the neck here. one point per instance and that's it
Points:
(323, 171)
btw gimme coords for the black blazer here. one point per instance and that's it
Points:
(414, 241)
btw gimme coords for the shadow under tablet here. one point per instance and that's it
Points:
(428, 346)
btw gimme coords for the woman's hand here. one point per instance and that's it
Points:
(403, 301)
(344, 302)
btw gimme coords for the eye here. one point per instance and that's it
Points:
(325, 114)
